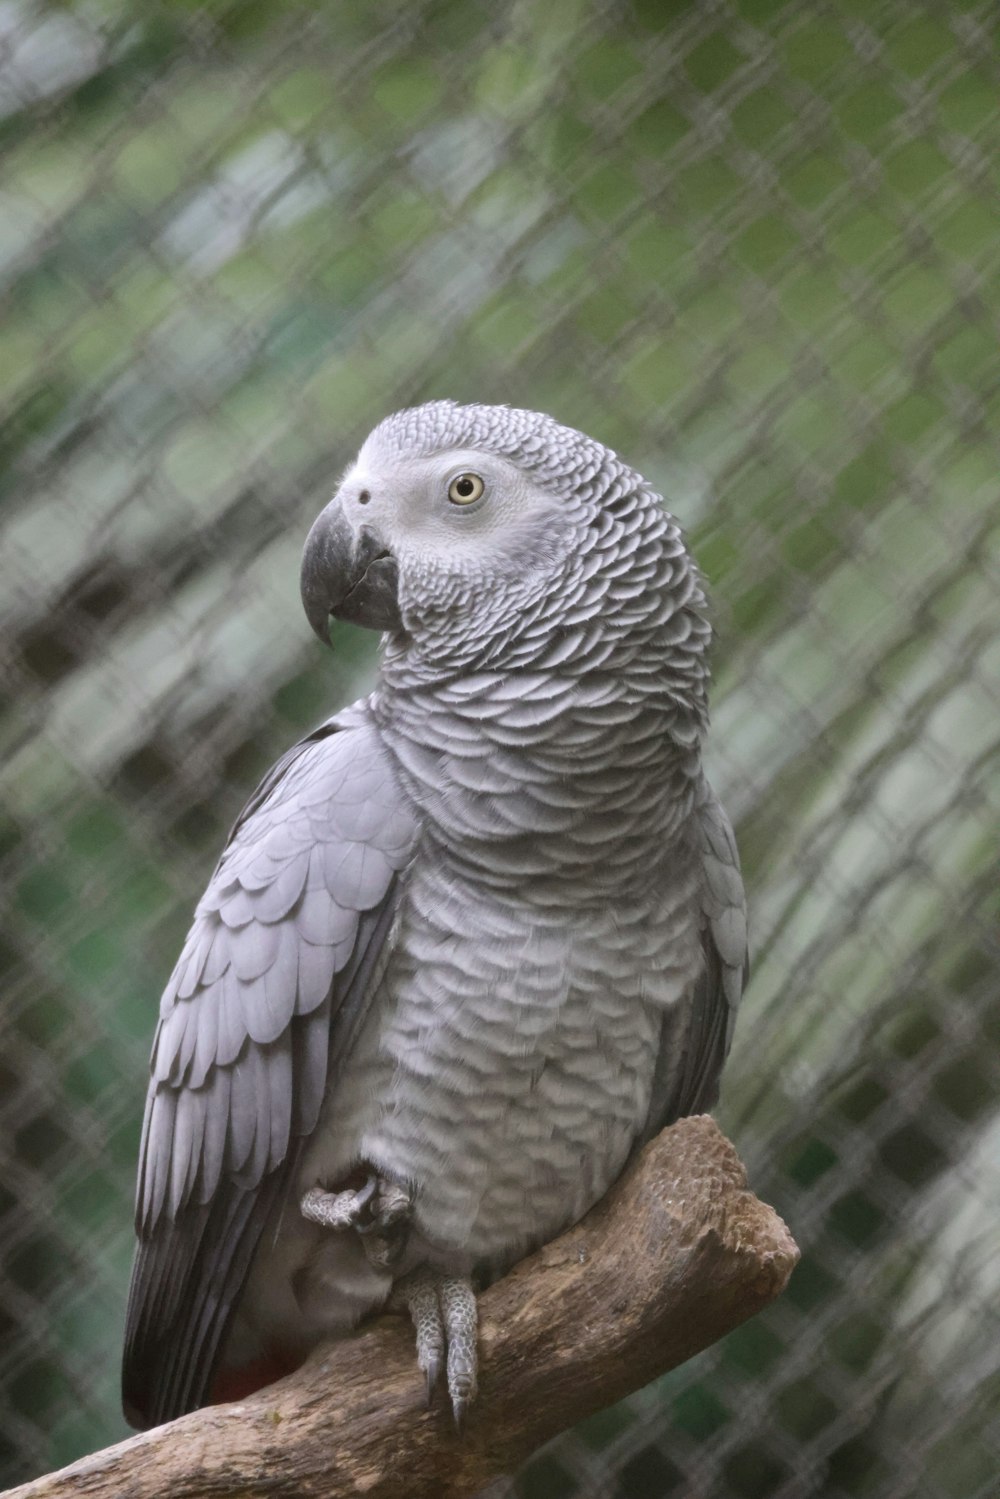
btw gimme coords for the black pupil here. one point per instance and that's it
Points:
(464, 487)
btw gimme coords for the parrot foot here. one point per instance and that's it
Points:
(392, 1205)
(337, 1209)
(443, 1309)
(386, 1227)
(379, 1211)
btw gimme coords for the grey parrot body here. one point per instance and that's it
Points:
(479, 935)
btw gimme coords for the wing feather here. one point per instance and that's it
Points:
(309, 1051)
(266, 1000)
(213, 1145)
(696, 1031)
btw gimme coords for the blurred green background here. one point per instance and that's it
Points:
(754, 246)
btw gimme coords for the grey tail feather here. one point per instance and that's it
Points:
(185, 1284)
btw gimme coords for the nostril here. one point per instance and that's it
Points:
(364, 497)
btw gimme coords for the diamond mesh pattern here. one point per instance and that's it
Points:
(753, 245)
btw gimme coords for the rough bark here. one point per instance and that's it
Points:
(677, 1254)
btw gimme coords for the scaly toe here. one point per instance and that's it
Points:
(461, 1326)
(337, 1210)
(419, 1294)
(392, 1205)
(386, 1229)
(395, 1204)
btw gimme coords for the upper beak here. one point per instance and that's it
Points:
(349, 575)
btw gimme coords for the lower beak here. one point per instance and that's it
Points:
(349, 575)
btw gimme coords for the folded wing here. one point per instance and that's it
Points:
(259, 1014)
(698, 1029)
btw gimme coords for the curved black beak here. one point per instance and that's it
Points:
(347, 575)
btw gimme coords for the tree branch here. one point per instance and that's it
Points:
(677, 1254)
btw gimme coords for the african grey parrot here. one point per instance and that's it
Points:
(471, 941)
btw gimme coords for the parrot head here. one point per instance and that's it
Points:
(441, 513)
(458, 528)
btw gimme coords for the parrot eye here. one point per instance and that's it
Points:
(464, 489)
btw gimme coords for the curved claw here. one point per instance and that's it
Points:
(432, 1373)
(365, 1194)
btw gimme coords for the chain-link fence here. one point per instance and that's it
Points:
(751, 244)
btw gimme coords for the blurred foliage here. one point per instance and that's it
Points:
(751, 244)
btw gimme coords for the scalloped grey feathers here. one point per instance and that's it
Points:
(277, 924)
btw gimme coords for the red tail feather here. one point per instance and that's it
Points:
(237, 1384)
